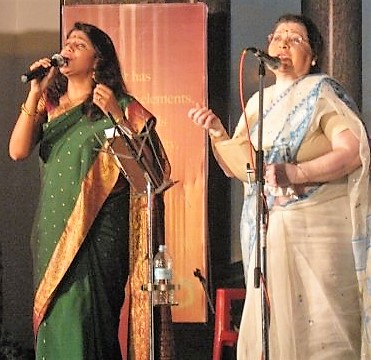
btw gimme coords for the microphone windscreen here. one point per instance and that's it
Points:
(58, 60)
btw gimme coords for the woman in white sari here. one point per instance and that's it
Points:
(317, 193)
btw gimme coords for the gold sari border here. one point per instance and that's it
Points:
(90, 200)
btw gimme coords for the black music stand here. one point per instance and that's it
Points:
(137, 157)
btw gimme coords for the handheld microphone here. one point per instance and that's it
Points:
(57, 60)
(273, 62)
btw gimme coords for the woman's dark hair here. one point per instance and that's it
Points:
(314, 36)
(107, 70)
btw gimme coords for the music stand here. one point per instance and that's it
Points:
(137, 157)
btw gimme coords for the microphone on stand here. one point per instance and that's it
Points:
(57, 60)
(273, 62)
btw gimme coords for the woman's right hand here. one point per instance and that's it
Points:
(40, 85)
(205, 118)
(26, 132)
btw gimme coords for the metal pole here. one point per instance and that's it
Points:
(260, 271)
(150, 268)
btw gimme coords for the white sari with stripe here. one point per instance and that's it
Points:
(317, 242)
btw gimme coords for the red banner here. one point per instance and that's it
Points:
(162, 49)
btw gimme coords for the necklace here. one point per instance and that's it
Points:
(76, 101)
(67, 104)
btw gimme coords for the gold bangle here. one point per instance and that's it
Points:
(303, 172)
(28, 112)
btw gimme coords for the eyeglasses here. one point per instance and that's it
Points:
(292, 39)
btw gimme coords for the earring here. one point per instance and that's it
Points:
(313, 62)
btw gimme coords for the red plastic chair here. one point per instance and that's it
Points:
(224, 334)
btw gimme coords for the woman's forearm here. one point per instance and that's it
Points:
(26, 132)
(332, 166)
(342, 160)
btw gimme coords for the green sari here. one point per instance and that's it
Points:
(80, 241)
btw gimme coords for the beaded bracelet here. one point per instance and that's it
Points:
(216, 133)
(27, 112)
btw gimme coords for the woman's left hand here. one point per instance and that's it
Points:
(280, 175)
(105, 99)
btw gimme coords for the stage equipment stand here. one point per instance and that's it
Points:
(260, 271)
(197, 273)
(136, 157)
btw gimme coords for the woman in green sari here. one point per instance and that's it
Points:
(81, 231)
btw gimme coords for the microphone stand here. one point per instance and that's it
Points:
(197, 273)
(260, 271)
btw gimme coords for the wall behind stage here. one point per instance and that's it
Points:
(29, 30)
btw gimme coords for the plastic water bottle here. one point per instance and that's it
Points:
(163, 290)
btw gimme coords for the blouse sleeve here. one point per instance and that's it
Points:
(333, 124)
